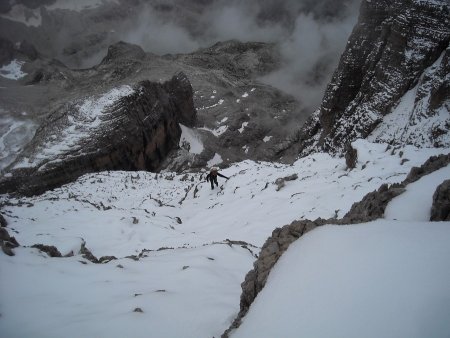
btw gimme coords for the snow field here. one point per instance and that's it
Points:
(379, 279)
(123, 213)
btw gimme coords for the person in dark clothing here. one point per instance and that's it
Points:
(212, 177)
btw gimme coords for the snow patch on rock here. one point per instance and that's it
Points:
(13, 70)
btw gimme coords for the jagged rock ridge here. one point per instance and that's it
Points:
(397, 48)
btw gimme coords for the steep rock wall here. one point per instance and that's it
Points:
(134, 133)
(388, 53)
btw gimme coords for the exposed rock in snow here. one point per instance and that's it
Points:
(440, 210)
(7, 243)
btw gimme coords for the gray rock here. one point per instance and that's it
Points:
(87, 254)
(432, 164)
(281, 182)
(7, 243)
(440, 210)
(381, 63)
(351, 156)
(372, 206)
(50, 250)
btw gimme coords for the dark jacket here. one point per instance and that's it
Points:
(213, 176)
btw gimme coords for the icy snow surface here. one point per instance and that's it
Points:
(13, 70)
(190, 136)
(190, 287)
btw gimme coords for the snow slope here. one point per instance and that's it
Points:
(81, 122)
(187, 277)
(381, 279)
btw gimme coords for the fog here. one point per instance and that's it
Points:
(310, 35)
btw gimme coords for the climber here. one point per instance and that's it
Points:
(212, 177)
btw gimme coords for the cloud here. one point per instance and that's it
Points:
(158, 34)
(310, 55)
(310, 35)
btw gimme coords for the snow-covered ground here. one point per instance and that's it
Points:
(187, 279)
(381, 279)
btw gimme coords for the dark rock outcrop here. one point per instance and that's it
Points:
(440, 210)
(135, 133)
(372, 206)
(351, 156)
(123, 51)
(3, 222)
(7, 242)
(432, 164)
(388, 54)
(50, 250)
(281, 182)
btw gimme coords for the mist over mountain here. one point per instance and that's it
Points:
(310, 35)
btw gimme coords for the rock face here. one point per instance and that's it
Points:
(397, 57)
(7, 242)
(126, 129)
(440, 211)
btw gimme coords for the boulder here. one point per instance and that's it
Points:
(351, 156)
(440, 210)
(50, 250)
(7, 243)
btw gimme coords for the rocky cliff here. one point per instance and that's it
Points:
(394, 71)
(123, 129)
